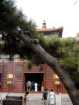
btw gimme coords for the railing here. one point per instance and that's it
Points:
(12, 100)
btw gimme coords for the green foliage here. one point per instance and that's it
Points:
(66, 50)
(10, 19)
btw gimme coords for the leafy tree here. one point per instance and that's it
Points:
(66, 50)
(52, 62)
(10, 20)
(12, 37)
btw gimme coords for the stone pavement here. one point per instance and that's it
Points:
(36, 98)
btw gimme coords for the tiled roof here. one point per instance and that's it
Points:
(50, 29)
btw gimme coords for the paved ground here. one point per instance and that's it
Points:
(36, 98)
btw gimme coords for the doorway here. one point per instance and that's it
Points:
(34, 78)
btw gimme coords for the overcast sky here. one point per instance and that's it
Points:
(56, 13)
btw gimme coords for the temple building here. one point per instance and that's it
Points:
(50, 31)
(14, 75)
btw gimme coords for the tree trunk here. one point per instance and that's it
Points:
(52, 62)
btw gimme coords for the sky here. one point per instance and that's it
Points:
(56, 13)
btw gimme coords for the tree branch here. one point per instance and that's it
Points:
(52, 62)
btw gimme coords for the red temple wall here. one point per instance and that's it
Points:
(18, 69)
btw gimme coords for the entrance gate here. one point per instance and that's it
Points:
(34, 78)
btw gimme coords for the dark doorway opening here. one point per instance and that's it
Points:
(34, 78)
